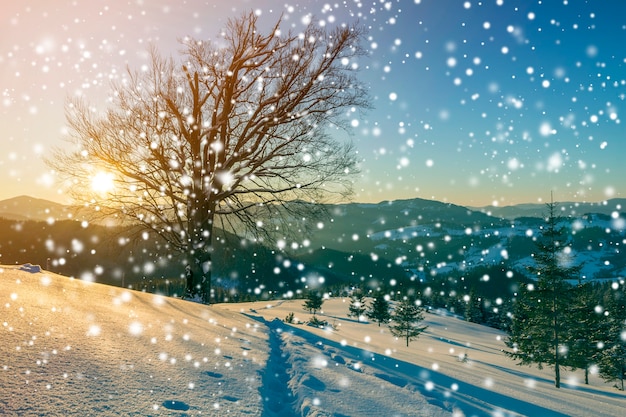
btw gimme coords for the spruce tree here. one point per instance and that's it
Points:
(357, 306)
(474, 311)
(313, 302)
(541, 315)
(612, 356)
(379, 310)
(588, 329)
(407, 316)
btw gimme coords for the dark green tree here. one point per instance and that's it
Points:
(357, 306)
(379, 309)
(612, 356)
(406, 318)
(474, 312)
(313, 302)
(541, 317)
(587, 330)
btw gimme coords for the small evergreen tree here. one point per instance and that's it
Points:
(406, 316)
(313, 302)
(379, 309)
(474, 311)
(357, 306)
(542, 312)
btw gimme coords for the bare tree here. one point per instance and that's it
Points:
(235, 134)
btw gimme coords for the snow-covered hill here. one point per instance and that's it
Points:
(422, 238)
(30, 208)
(73, 348)
(598, 251)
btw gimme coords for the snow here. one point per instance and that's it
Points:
(75, 348)
(594, 263)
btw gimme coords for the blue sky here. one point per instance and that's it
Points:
(475, 102)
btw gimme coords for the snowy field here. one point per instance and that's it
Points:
(72, 348)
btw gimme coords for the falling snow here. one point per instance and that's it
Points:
(477, 103)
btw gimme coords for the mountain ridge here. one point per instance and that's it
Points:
(399, 241)
(26, 207)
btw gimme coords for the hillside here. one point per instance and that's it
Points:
(566, 209)
(390, 244)
(30, 208)
(73, 348)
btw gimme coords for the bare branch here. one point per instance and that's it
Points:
(236, 134)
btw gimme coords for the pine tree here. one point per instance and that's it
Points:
(587, 329)
(357, 306)
(313, 302)
(541, 315)
(612, 356)
(406, 316)
(379, 310)
(474, 311)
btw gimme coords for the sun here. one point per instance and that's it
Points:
(102, 182)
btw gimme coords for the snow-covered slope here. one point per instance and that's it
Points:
(69, 347)
(598, 251)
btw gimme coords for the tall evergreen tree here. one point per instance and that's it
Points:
(541, 315)
(379, 310)
(357, 306)
(407, 316)
(587, 330)
(612, 358)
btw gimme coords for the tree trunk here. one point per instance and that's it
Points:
(200, 230)
(206, 265)
(557, 373)
(557, 369)
(556, 329)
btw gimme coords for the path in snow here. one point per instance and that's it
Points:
(276, 394)
(360, 369)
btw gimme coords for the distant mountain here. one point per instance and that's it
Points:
(398, 241)
(31, 208)
(364, 216)
(567, 209)
(353, 222)
(25, 207)
(432, 239)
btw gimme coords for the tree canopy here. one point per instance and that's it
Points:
(235, 136)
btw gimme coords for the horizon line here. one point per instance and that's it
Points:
(600, 202)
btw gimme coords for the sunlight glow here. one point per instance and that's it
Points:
(102, 182)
